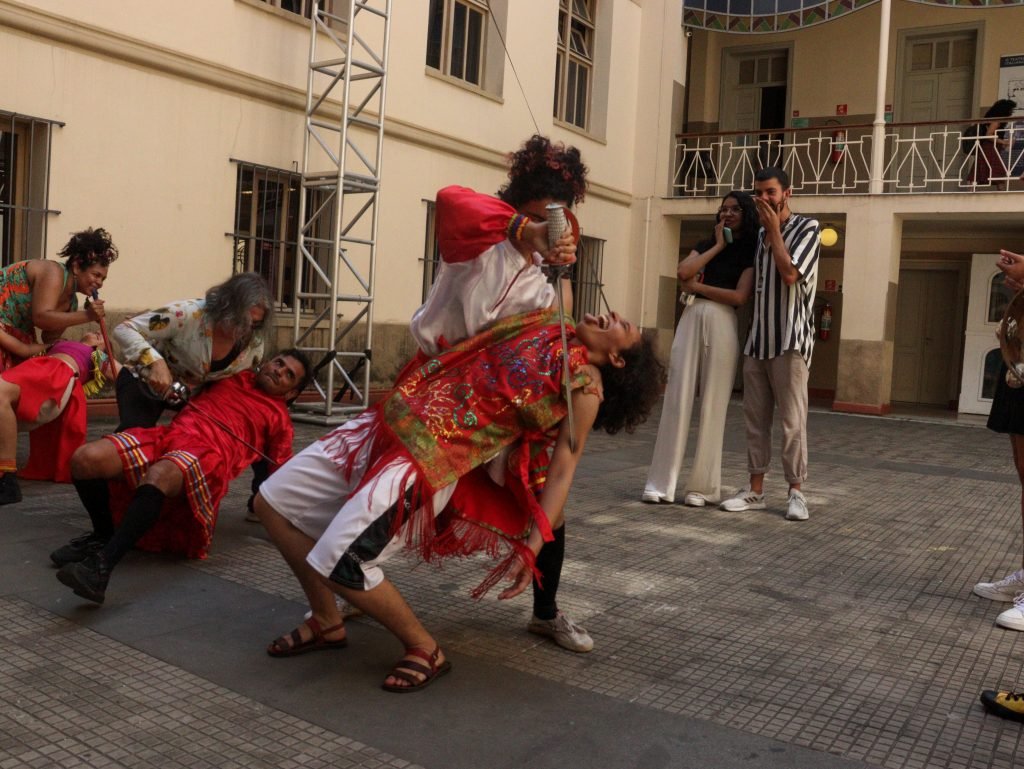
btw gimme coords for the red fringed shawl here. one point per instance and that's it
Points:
(450, 414)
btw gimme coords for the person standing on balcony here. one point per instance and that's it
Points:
(779, 346)
(719, 275)
(990, 144)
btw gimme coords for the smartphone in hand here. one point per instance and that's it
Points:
(727, 234)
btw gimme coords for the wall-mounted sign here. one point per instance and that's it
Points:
(1011, 80)
(840, 109)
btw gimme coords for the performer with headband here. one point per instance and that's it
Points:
(45, 396)
(174, 477)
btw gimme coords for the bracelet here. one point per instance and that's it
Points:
(516, 225)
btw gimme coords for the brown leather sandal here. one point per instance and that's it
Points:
(292, 644)
(430, 672)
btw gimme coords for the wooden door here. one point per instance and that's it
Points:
(926, 337)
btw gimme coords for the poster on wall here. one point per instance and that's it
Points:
(1011, 80)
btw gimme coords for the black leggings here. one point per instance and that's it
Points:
(549, 564)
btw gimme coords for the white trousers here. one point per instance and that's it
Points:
(706, 344)
(352, 526)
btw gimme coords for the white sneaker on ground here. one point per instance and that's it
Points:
(797, 510)
(654, 498)
(1005, 589)
(1013, 618)
(744, 499)
(695, 499)
(563, 631)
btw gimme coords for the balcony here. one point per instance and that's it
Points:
(919, 158)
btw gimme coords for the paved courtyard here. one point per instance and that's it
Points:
(722, 639)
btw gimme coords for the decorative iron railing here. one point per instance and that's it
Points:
(953, 156)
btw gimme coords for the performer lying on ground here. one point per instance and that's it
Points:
(45, 396)
(374, 485)
(178, 473)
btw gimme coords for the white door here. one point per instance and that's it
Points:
(987, 300)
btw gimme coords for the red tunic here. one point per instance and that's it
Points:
(207, 455)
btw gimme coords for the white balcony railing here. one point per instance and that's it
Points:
(919, 158)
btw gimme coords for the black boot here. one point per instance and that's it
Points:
(87, 578)
(10, 491)
(78, 549)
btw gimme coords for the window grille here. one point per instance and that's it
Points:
(456, 38)
(25, 145)
(574, 61)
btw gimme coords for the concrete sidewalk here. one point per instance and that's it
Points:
(722, 639)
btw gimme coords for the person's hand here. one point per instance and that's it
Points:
(521, 580)
(720, 234)
(768, 215)
(94, 309)
(690, 284)
(1012, 266)
(563, 252)
(159, 377)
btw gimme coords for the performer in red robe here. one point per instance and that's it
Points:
(167, 482)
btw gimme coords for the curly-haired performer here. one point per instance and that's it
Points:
(485, 276)
(39, 293)
(374, 485)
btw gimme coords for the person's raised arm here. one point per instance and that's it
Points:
(696, 260)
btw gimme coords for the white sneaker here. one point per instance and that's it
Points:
(1013, 618)
(695, 499)
(797, 510)
(1005, 589)
(563, 631)
(654, 498)
(744, 499)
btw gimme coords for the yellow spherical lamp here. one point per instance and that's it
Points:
(829, 236)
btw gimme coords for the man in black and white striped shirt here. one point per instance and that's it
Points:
(777, 355)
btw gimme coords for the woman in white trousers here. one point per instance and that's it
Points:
(717, 277)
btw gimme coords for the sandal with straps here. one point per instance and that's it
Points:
(292, 644)
(430, 672)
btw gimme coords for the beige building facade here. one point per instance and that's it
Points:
(179, 127)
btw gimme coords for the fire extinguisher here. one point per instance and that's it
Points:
(826, 322)
(838, 145)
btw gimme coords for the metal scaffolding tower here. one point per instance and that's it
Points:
(337, 244)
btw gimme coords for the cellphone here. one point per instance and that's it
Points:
(727, 234)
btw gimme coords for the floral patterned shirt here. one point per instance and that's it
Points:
(181, 335)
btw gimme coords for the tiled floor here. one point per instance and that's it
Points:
(854, 633)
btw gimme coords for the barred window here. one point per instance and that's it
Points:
(24, 186)
(587, 288)
(574, 61)
(303, 7)
(431, 250)
(266, 227)
(456, 38)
